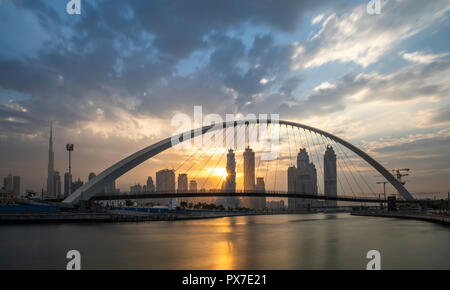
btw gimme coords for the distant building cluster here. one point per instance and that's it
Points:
(167, 181)
(303, 179)
(10, 189)
(55, 187)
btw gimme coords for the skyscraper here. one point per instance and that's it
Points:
(330, 175)
(292, 176)
(16, 185)
(306, 179)
(136, 188)
(150, 184)
(182, 182)
(165, 180)
(56, 184)
(230, 183)
(313, 170)
(249, 179)
(50, 172)
(67, 181)
(260, 185)
(8, 183)
(193, 186)
(249, 170)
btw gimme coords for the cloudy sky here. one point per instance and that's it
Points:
(112, 78)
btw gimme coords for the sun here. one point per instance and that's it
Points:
(221, 172)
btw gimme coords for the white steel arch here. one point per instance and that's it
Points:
(95, 185)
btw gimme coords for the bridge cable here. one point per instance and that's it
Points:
(295, 140)
(289, 140)
(200, 156)
(338, 163)
(276, 166)
(210, 156)
(319, 163)
(202, 148)
(240, 161)
(223, 175)
(266, 181)
(312, 154)
(324, 139)
(362, 176)
(259, 159)
(211, 171)
(348, 168)
(187, 159)
(175, 170)
(226, 149)
(337, 175)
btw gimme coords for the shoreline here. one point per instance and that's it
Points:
(439, 219)
(125, 216)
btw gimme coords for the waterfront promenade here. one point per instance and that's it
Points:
(436, 218)
(125, 215)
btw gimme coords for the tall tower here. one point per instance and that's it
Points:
(231, 172)
(50, 173)
(230, 183)
(249, 170)
(330, 175)
(165, 180)
(150, 184)
(8, 183)
(16, 185)
(182, 182)
(193, 186)
(306, 179)
(292, 173)
(67, 183)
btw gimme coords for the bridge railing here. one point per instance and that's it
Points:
(237, 193)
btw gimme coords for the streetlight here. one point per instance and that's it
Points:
(384, 187)
(69, 147)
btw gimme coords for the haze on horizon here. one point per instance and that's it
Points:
(111, 78)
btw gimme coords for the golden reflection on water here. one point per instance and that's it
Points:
(223, 249)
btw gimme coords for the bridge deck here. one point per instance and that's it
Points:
(150, 195)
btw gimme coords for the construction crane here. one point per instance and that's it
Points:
(398, 173)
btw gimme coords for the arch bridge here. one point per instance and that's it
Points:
(97, 184)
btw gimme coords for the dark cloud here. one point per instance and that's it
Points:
(118, 51)
(124, 56)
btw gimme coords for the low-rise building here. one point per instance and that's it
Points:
(7, 197)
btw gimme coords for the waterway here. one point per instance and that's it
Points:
(302, 241)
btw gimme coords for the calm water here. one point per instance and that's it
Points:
(320, 241)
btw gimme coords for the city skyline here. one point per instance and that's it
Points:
(232, 179)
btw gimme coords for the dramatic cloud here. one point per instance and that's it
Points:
(113, 76)
(362, 38)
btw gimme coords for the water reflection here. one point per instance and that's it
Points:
(321, 241)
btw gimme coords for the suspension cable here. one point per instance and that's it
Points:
(312, 154)
(348, 168)
(223, 175)
(289, 140)
(357, 171)
(343, 171)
